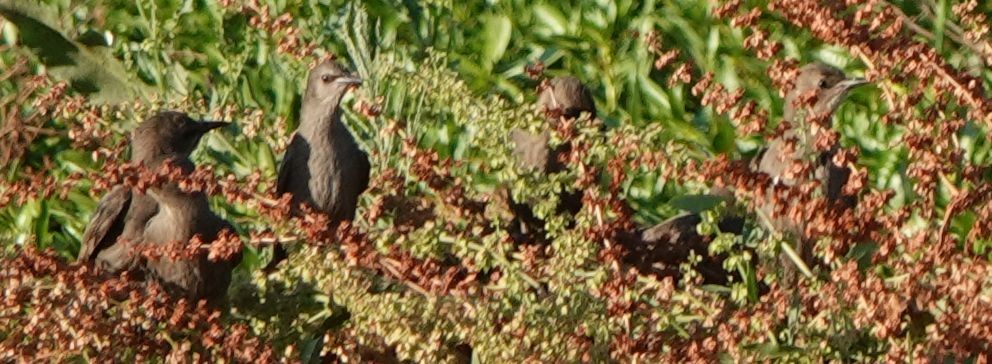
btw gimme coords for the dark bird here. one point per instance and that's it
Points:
(566, 97)
(660, 249)
(120, 217)
(181, 216)
(828, 87)
(323, 165)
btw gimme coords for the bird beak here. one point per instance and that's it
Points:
(349, 80)
(206, 126)
(851, 83)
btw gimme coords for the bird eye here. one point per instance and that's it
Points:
(325, 78)
(824, 83)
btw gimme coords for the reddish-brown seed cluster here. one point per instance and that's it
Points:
(288, 36)
(22, 121)
(534, 71)
(76, 312)
(936, 290)
(934, 267)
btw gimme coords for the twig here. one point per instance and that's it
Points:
(786, 248)
(949, 212)
(918, 29)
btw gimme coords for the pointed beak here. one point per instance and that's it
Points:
(851, 83)
(206, 126)
(349, 80)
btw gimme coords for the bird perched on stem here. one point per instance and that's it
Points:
(667, 244)
(323, 165)
(564, 97)
(825, 87)
(119, 221)
(182, 216)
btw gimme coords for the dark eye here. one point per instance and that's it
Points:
(824, 83)
(325, 78)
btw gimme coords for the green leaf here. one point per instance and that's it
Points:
(862, 253)
(725, 139)
(551, 17)
(91, 71)
(497, 37)
(695, 203)
(311, 349)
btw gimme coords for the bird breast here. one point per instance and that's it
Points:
(169, 225)
(328, 165)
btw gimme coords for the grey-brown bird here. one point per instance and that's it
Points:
(181, 216)
(567, 97)
(662, 247)
(121, 215)
(323, 165)
(828, 86)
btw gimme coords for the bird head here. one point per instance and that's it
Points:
(566, 96)
(328, 82)
(168, 134)
(827, 84)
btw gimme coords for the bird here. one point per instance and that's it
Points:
(121, 215)
(181, 216)
(829, 86)
(662, 247)
(566, 97)
(323, 166)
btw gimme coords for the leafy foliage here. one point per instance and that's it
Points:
(686, 91)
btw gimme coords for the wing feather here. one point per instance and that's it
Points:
(106, 224)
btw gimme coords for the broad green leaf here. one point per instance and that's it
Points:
(551, 17)
(498, 30)
(90, 71)
(696, 203)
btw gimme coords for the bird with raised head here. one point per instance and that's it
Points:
(828, 87)
(323, 166)
(121, 215)
(663, 246)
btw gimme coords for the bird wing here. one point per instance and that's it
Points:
(363, 167)
(772, 161)
(106, 224)
(346, 203)
(285, 167)
(530, 150)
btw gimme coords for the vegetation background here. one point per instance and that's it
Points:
(429, 273)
